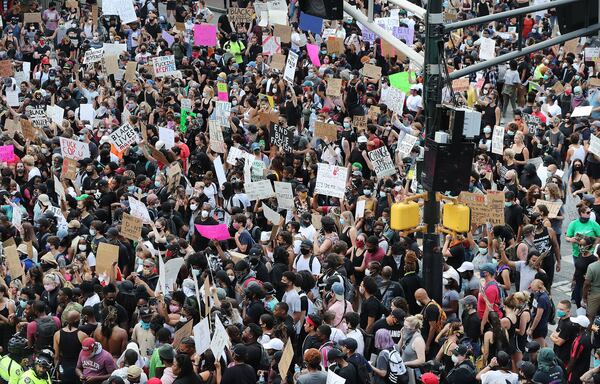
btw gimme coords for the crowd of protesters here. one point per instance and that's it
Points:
(331, 292)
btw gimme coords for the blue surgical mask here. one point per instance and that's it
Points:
(560, 313)
(483, 251)
(145, 326)
(596, 363)
(508, 203)
(195, 272)
(157, 184)
(342, 221)
(23, 303)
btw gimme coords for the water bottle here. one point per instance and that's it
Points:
(261, 380)
(296, 368)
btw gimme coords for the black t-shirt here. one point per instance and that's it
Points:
(369, 308)
(458, 256)
(462, 374)
(348, 372)
(568, 332)
(239, 374)
(394, 329)
(254, 354)
(471, 324)
(431, 312)
(513, 216)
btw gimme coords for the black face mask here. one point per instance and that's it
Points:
(109, 301)
(305, 251)
(584, 219)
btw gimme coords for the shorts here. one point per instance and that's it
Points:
(540, 332)
(593, 305)
(171, 5)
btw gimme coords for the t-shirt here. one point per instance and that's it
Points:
(395, 330)
(554, 376)
(593, 275)
(318, 377)
(431, 312)
(568, 332)
(239, 374)
(348, 372)
(98, 365)
(591, 228)
(499, 377)
(527, 274)
(305, 264)
(369, 308)
(492, 293)
(541, 300)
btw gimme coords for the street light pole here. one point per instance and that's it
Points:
(433, 84)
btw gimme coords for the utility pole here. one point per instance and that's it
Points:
(432, 88)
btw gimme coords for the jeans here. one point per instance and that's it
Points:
(506, 98)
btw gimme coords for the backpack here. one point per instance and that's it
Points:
(310, 261)
(395, 364)
(362, 374)
(44, 334)
(265, 362)
(501, 292)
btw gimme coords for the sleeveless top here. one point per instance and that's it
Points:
(578, 153)
(542, 242)
(69, 346)
(408, 353)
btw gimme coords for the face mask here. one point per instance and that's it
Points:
(367, 192)
(23, 303)
(511, 133)
(495, 262)
(454, 359)
(560, 313)
(382, 194)
(483, 251)
(204, 214)
(342, 221)
(93, 232)
(596, 363)
(193, 207)
(49, 287)
(157, 184)
(174, 308)
(508, 203)
(346, 125)
(360, 243)
(234, 103)
(231, 278)
(584, 219)
(144, 325)
(195, 272)
(82, 247)
(367, 273)
(305, 251)
(419, 304)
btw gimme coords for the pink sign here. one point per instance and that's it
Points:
(214, 232)
(313, 53)
(7, 152)
(205, 35)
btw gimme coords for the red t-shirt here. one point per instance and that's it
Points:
(32, 327)
(492, 292)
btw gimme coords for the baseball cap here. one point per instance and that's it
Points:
(240, 350)
(466, 266)
(469, 300)
(338, 291)
(398, 314)
(334, 353)
(362, 139)
(255, 147)
(532, 346)
(133, 372)
(349, 343)
(44, 199)
(87, 345)
(460, 350)
(275, 344)
(166, 352)
(488, 267)
(306, 243)
(581, 320)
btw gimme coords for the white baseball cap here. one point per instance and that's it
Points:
(466, 266)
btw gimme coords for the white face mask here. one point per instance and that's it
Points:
(193, 207)
(82, 247)
(367, 272)
(204, 214)
(454, 359)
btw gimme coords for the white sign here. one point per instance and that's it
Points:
(110, 7)
(382, 162)
(395, 100)
(127, 12)
(360, 208)
(167, 135)
(290, 67)
(93, 55)
(72, 149)
(594, 146)
(124, 137)
(186, 104)
(37, 116)
(498, 140)
(171, 270)
(582, 111)
(271, 215)
(55, 113)
(219, 170)
(113, 49)
(59, 189)
(333, 378)
(487, 49)
(259, 190)
(164, 66)
(331, 180)
(202, 336)
(220, 338)
(86, 113)
(139, 210)
(236, 153)
(12, 97)
(222, 112)
(407, 144)
(285, 195)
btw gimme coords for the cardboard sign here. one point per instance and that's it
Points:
(484, 208)
(6, 68)
(69, 169)
(558, 88)
(286, 358)
(215, 133)
(290, 67)
(498, 140)
(395, 100)
(259, 190)
(240, 15)
(460, 85)
(282, 137)
(323, 130)
(334, 87)
(111, 63)
(374, 112)
(75, 150)
(594, 82)
(164, 66)
(284, 32)
(553, 207)
(93, 55)
(131, 227)
(15, 268)
(32, 18)
(285, 194)
(360, 122)
(130, 70)
(124, 137)
(331, 180)
(495, 204)
(139, 210)
(107, 254)
(271, 215)
(372, 71)
(182, 333)
(382, 162)
(278, 62)
(335, 45)
(582, 111)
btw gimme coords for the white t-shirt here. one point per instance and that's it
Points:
(92, 300)
(499, 377)
(413, 103)
(360, 341)
(527, 274)
(302, 264)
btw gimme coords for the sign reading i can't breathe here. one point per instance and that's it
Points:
(164, 66)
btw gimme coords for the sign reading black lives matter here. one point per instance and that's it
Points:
(124, 137)
(282, 137)
(382, 162)
(37, 116)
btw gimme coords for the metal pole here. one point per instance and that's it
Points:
(525, 51)
(432, 259)
(387, 36)
(370, 10)
(506, 14)
(410, 7)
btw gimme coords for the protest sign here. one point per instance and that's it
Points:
(373, 113)
(10, 126)
(477, 205)
(69, 169)
(313, 54)
(406, 145)
(130, 69)
(284, 32)
(168, 38)
(271, 45)
(460, 85)
(167, 136)
(215, 133)
(182, 333)
(360, 208)
(258, 190)
(532, 122)
(6, 68)
(131, 227)
(553, 207)
(278, 62)
(124, 137)
(105, 257)
(219, 340)
(571, 46)
(32, 17)
(334, 87)
(7, 152)
(12, 97)
(222, 112)
(594, 82)
(28, 130)
(382, 162)
(87, 113)
(372, 71)
(214, 232)
(37, 116)
(127, 12)
(139, 210)
(111, 64)
(277, 16)
(236, 153)
(360, 122)
(592, 54)
(310, 23)
(55, 114)
(395, 100)
(240, 15)
(202, 336)
(582, 111)
(495, 204)
(274, 217)
(594, 145)
(75, 150)
(498, 140)
(164, 66)
(290, 67)
(334, 378)
(335, 45)
(406, 34)
(558, 88)
(93, 55)
(205, 35)
(325, 130)
(219, 170)
(15, 268)
(285, 194)
(286, 358)
(331, 180)
(282, 137)
(487, 48)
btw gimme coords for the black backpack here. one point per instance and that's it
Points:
(362, 373)
(44, 334)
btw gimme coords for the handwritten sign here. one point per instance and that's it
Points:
(69, 169)
(487, 48)
(594, 145)
(164, 66)
(139, 210)
(290, 67)
(278, 61)
(285, 195)
(382, 162)
(323, 130)
(406, 145)
(182, 333)
(205, 35)
(202, 336)
(460, 85)
(334, 87)
(7, 153)
(331, 180)
(282, 137)
(124, 137)
(15, 268)
(372, 71)
(217, 143)
(131, 227)
(553, 207)
(75, 150)
(240, 15)
(37, 116)
(498, 140)
(222, 112)
(284, 32)
(286, 358)
(335, 45)
(258, 190)
(360, 122)
(107, 255)
(93, 55)
(219, 339)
